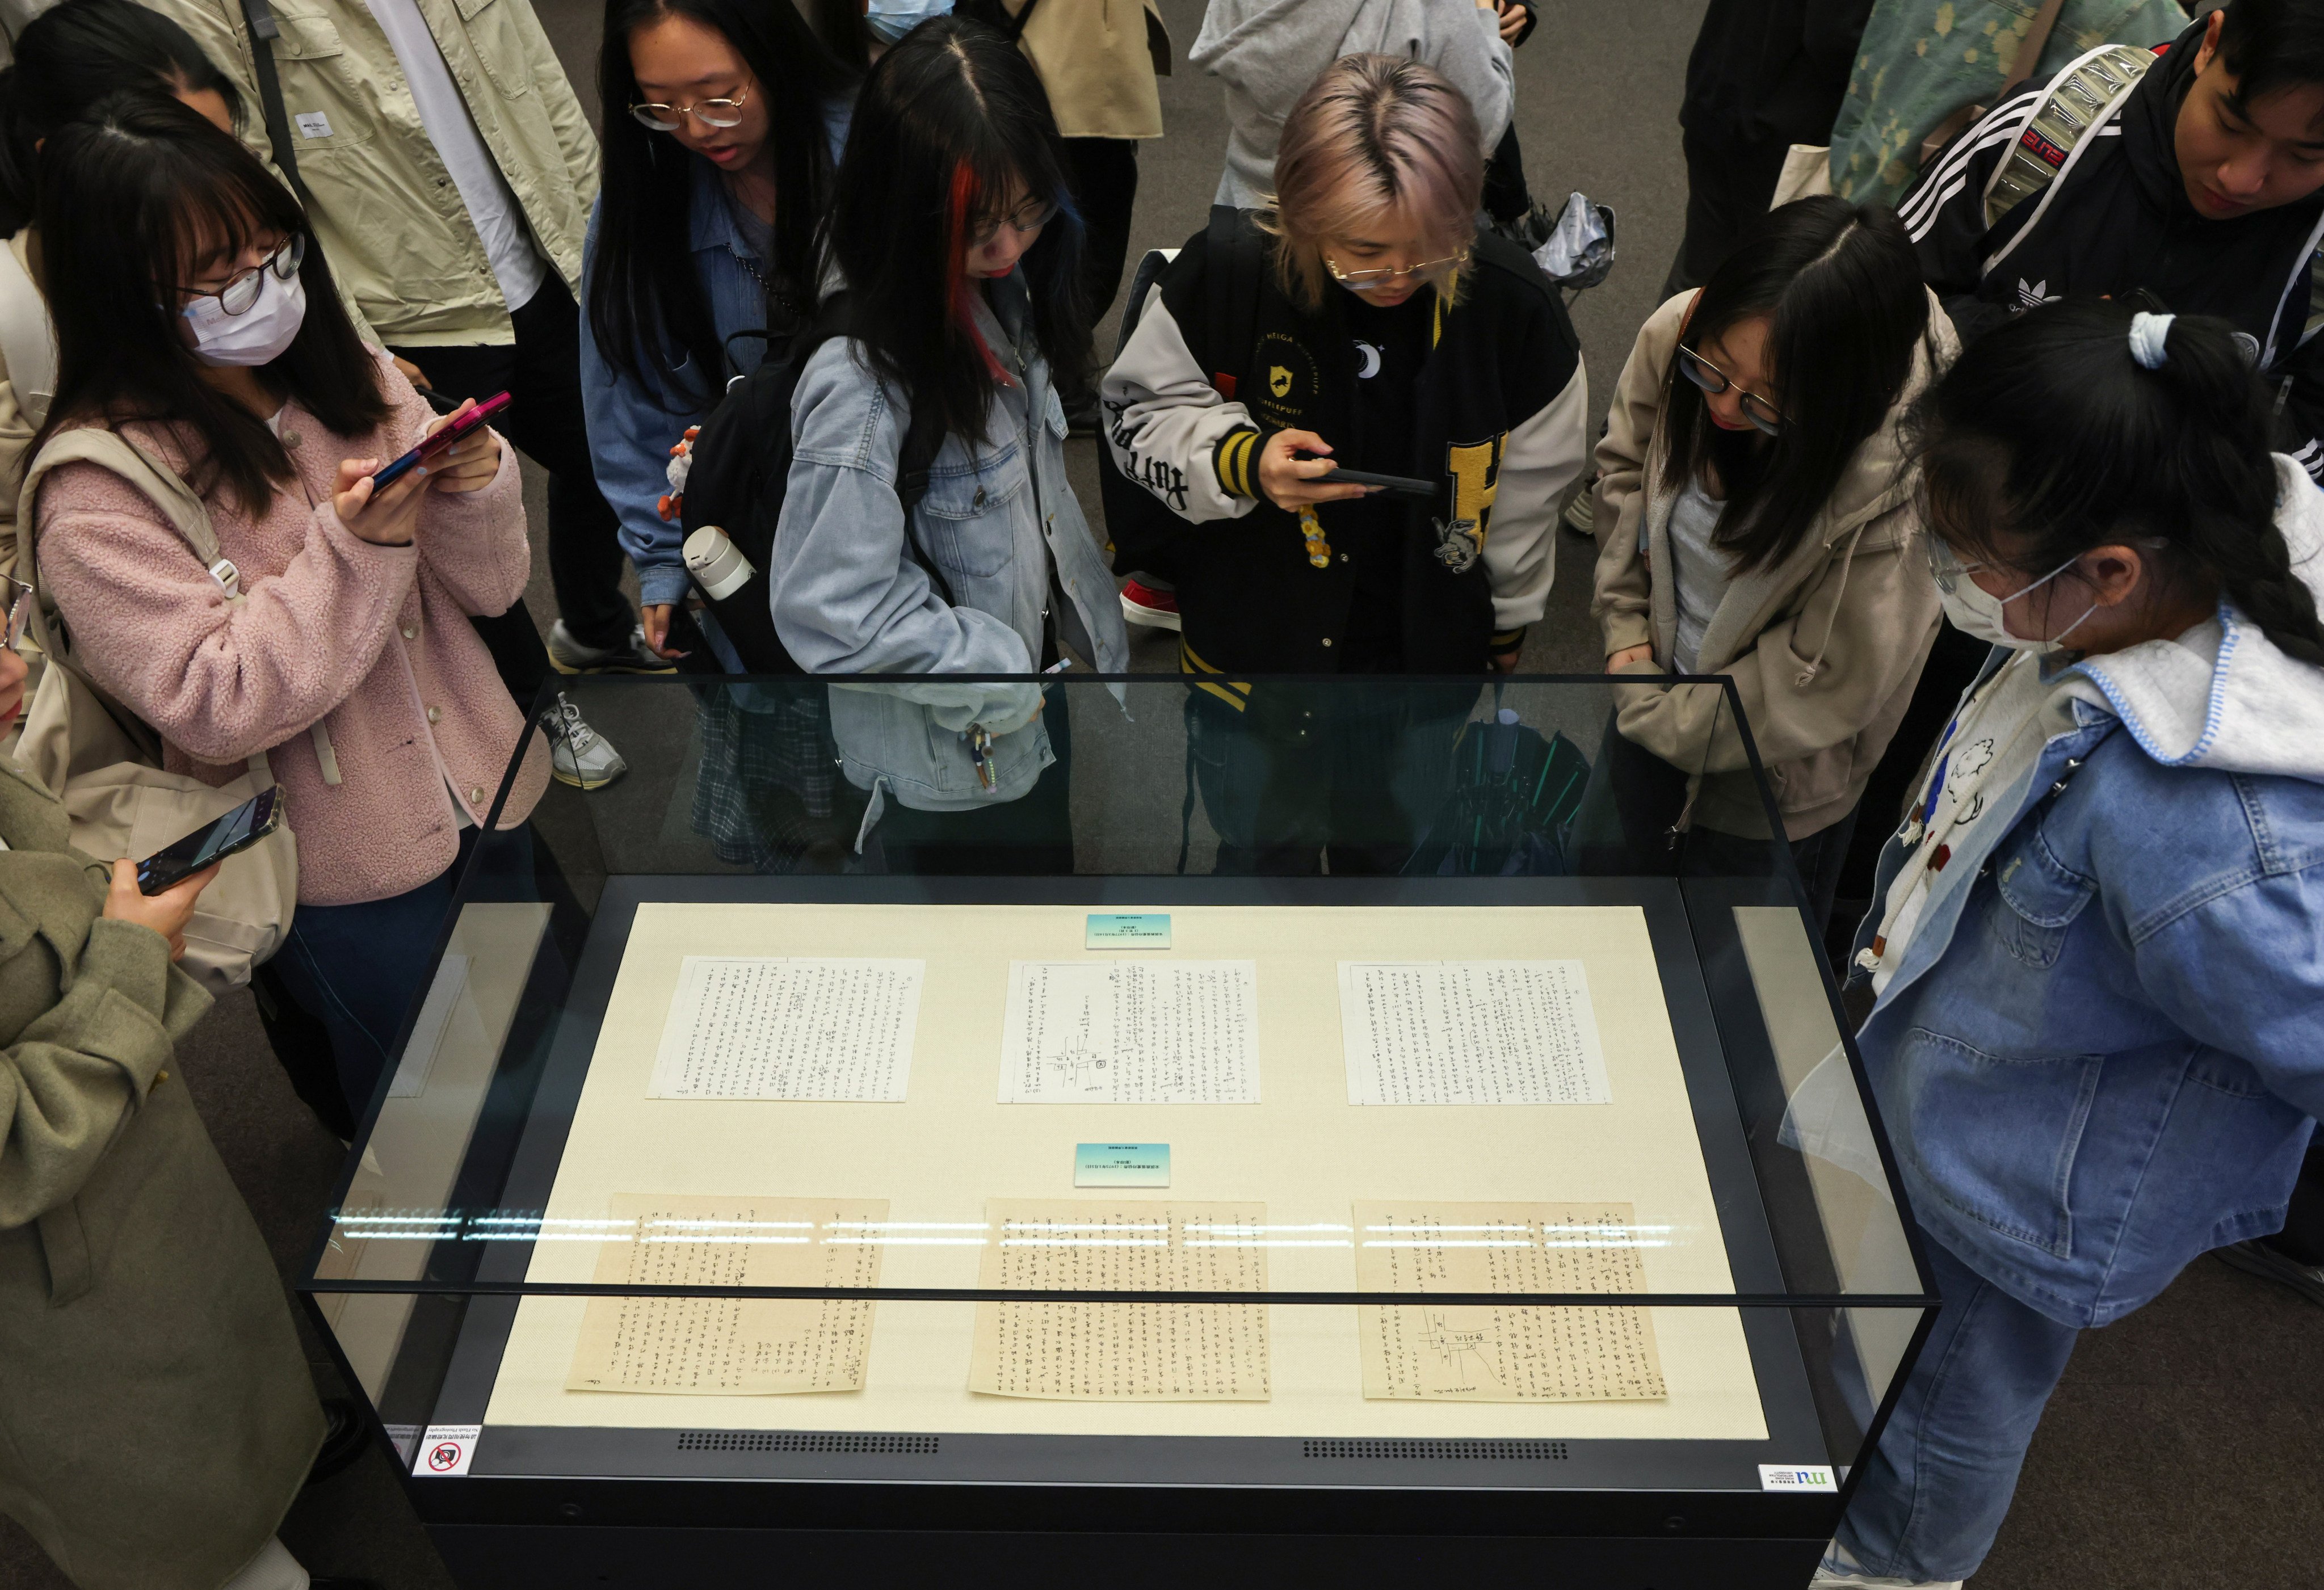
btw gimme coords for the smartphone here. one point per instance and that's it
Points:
(388, 475)
(237, 831)
(1403, 485)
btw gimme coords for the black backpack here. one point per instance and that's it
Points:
(1140, 528)
(738, 465)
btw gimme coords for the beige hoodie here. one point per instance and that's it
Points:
(1824, 648)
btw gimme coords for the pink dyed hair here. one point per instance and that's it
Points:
(1374, 136)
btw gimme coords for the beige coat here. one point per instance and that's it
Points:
(1098, 59)
(156, 1414)
(1824, 648)
(387, 214)
(24, 315)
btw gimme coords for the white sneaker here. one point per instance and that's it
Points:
(1581, 515)
(633, 655)
(1840, 1571)
(577, 754)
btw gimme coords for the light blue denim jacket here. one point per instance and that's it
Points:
(2104, 1046)
(998, 513)
(634, 422)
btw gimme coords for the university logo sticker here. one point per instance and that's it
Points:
(1775, 1477)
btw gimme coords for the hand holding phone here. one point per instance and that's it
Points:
(451, 449)
(1401, 485)
(166, 912)
(212, 843)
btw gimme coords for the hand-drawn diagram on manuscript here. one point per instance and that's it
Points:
(1428, 1352)
(1130, 1031)
(729, 1346)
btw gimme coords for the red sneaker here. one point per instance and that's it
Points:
(1155, 608)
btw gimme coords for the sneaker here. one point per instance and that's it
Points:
(2257, 1258)
(633, 656)
(1155, 607)
(577, 754)
(1840, 1571)
(1581, 515)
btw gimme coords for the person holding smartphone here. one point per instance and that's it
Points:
(332, 638)
(1388, 333)
(114, 1427)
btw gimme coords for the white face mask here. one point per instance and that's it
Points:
(1977, 612)
(259, 333)
(890, 20)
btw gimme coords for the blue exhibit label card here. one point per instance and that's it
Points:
(1150, 931)
(1121, 1164)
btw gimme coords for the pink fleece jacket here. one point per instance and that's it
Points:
(373, 641)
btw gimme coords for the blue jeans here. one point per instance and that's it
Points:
(356, 968)
(1932, 1499)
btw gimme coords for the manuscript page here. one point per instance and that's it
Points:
(790, 1027)
(729, 1346)
(1470, 1032)
(1130, 1031)
(1122, 1352)
(1481, 1355)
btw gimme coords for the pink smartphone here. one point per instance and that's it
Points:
(388, 474)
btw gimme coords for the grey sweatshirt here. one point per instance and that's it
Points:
(1268, 51)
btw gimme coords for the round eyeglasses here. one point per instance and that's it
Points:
(1374, 281)
(1711, 379)
(241, 289)
(710, 112)
(1026, 219)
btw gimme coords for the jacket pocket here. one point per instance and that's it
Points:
(320, 94)
(966, 519)
(1995, 1137)
(2037, 898)
(497, 35)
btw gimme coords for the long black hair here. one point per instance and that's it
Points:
(130, 196)
(1841, 287)
(68, 58)
(646, 304)
(947, 120)
(2048, 438)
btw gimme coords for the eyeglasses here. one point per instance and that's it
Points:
(20, 611)
(241, 289)
(1711, 379)
(710, 112)
(1372, 280)
(1027, 218)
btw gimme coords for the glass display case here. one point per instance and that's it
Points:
(1366, 1125)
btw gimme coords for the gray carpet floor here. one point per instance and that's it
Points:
(2184, 1450)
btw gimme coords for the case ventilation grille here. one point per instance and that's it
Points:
(1463, 1451)
(727, 1440)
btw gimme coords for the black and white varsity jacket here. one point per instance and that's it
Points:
(1500, 412)
(2074, 187)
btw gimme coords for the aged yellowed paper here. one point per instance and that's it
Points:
(728, 1347)
(1432, 1353)
(1122, 1352)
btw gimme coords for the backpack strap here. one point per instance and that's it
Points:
(179, 504)
(1235, 253)
(258, 16)
(27, 341)
(2079, 100)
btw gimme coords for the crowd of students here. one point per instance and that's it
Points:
(2052, 422)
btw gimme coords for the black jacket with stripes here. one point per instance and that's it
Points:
(2117, 219)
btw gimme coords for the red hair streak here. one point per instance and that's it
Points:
(959, 206)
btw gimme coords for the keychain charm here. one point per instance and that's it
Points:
(1319, 551)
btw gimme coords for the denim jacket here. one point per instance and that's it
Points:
(2104, 1046)
(997, 515)
(634, 422)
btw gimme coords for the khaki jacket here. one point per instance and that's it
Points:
(387, 216)
(156, 1414)
(1098, 59)
(1824, 648)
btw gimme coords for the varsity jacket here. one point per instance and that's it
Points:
(2074, 187)
(1499, 414)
